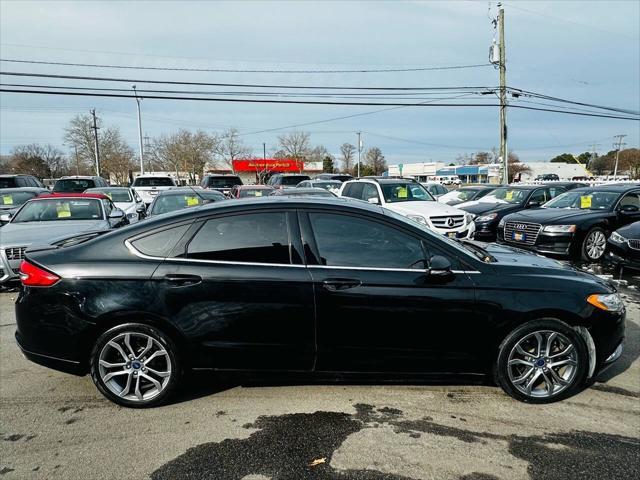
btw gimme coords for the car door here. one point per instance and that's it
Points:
(239, 286)
(377, 309)
(627, 209)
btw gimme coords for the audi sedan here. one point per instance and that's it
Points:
(323, 286)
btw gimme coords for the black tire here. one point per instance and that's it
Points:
(584, 254)
(576, 374)
(169, 361)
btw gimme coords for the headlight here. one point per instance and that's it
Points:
(617, 238)
(418, 218)
(132, 215)
(610, 302)
(501, 223)
(560, 228)
(486, 218)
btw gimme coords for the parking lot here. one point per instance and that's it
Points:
(59, 426)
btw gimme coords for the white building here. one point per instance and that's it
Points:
(420, 171)
(565, 171)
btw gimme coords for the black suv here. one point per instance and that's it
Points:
(287, 180)
(222, 182)
(19, 181)
(78, 184)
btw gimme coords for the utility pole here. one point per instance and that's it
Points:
(139, 131)
(77, 162)
(359, 151)
(95, 139)
(264, 151)
(147, 148)
(504, 153)
(618, 145)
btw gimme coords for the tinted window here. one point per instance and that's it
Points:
(292, 180)
(73, 185)
(345, 240)
(255, 237)
(223, 182)
(8, 182)
(539, 196)
(370, 191)
(353, 190)
(630, 200)
(154, 182)
(161, 243)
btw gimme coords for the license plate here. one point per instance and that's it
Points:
(519, 236)
(452, 234)
(153, 192)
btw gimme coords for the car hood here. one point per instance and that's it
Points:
(24, 234)
(126, 206)
(631, 231)
(558, 215)
(515, 261)
(423, 208)
(480, 208)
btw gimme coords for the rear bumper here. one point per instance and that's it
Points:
(61, 364)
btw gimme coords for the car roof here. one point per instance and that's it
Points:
(99, 196)
(23, 189)
(301, 190)
(616, 188)
(221, 175)
(78, 177)
(10, 175)
(194, 190)
(522, 187)
(385, 180)
(263, 187)
(99, 189)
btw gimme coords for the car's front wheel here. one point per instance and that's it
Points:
(542, 361)
(135, 365)
(594, 245)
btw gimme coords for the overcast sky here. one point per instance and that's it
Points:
(584, 51)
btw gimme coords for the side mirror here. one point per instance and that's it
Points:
(141, 209)
(439, 265)
(116, 213)
(5, 217)
(534, 203)
(624, 209)
(374, 200)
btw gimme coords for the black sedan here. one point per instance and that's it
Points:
(310, 285)
(491, 208)
(466, 194)
(576, 224)
(623, 246)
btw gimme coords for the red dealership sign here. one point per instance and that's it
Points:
(268, 165)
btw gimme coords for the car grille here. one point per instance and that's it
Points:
(15, 253)
(634, 244)
(453, 221)
(531, 231)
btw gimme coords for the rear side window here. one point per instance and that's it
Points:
(254, 237)
(348, 241)
(160, 244)
(353, 190)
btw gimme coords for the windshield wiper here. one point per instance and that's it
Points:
(478, 251)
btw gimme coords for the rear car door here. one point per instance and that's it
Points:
(377, 308)
(237, 284)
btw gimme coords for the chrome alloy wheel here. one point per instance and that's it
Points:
(134, 366)
(596, 244)
(542, 364)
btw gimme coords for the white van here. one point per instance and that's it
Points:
(448, 179)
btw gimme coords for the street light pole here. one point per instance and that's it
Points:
(504, 153)
(359, 152)
(139, 132)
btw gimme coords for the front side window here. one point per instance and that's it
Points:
(349, 241)
(539, 197)
(370, 193)
(59, 210)
(630, 200)
(253, 237)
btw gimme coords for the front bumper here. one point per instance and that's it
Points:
(486, 231)
(622, 255)
(557, 244)
(9, 269)
(466, 231)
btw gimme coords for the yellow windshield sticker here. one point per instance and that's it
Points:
(509, 195)
(585, 201)
(403, 192)
(7, 200)
(258, 193)
(191, 201)
(64, 211)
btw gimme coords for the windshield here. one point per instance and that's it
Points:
(62, 209)
(584, 200)
(115, 194)
(514, 196)
(405, 192)
(328, 185)
(461, 195)
(254, 192)
(223, 182)
(14, 199)
(171, 203)
(293, 179)
(154, 182)
(75, 185)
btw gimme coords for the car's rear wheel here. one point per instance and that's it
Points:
(542, 361)
(594, 244)
(135, 365)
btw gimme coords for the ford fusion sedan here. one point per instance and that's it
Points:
(185, 197)
(323, 286)
(576, 224)
(409, 198)
(11, 199)
(623, 246)
(50, 216)
(466, 194)
(126, 199)
(491, 208)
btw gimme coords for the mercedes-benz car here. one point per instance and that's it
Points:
(315, 285)
(47, 217)
(575, 224)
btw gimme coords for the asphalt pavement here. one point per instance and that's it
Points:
(54, 426)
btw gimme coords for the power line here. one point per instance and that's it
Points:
(230, 70)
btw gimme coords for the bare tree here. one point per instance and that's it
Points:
(231, 147)
(116, 156)
(375, 159)
(348, 152)
(185, 151)
(46, 159)
(294, 145)
(79, 134)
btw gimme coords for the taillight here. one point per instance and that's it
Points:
(33, 276)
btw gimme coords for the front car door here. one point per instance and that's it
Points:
(377, 308)
(236, 282)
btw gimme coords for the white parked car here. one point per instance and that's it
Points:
(148, 186)
(126, 199)
(409, 198)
